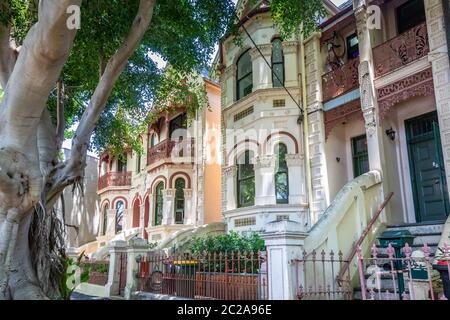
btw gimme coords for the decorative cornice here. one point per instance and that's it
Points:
(344, 113)
(231, 171)
(294, 160)
(266, 50)
(264, 162)
(419, 84)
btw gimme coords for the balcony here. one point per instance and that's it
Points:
(169, 149)
(114, 179)
(401, 50)
(340, 81)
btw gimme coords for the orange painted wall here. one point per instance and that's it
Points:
(212, 174)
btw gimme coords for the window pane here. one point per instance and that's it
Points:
(282, 187)
(277, 51)
(410, 15)
(244, 65)
(278, 71)
(245, 86)
(247, 192)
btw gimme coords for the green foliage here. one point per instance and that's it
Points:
(72, 276)
(289, 15)
(183, 32)
(227, 243)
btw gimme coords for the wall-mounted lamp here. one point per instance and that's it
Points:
(391, 134)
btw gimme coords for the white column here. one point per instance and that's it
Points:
(265, 181)
(231, 176)
(441, 73)
(111, 223)
(262, 74)
(229, 94)
(291, 69)
(284, 242)
(189, 211)
(116, 248)
(297, 182)
(168, 207)
(137, 249)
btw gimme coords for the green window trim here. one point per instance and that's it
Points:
(180, 185)
(244, 76)
(277, 63)
(159, 201)
(245, 181)
(281, 175)
(360, 155)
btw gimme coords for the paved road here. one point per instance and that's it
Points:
(79, 296)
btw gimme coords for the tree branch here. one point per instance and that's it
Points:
(8, 55)
(39, 64)
(61, 121)
(47, 143)
(107, 81)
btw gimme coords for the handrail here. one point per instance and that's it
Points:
(362, 238)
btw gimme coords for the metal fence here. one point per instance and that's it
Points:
(316, 277)
(404, 274)
(387, 274)
(224, 276)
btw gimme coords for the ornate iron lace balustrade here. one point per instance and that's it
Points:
(401, 50)
(342, 80)
(114, 179)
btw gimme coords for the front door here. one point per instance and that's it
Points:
(427, 168)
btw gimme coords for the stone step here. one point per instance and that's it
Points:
(420, 228)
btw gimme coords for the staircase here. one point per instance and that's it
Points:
(425, 233)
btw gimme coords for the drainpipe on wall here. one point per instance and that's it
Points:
(305, 122)
(446, 6)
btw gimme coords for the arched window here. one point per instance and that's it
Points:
(244, 80)
(103, 168)
(277, 63)
(120, 209)
(105, 220)
(245, 180)
(281, 175)
(159, 204)
(180, 185)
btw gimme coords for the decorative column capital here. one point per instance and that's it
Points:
(264, 162)
(231, 171)
(290, 47)
(294, 160)
(169, 192)
(230, 71)
(266, 50)
(188, 193)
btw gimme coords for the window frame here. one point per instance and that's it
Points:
(281, 170)
(282, 63)
(356, 157)
(400, 28)
(179, 196)
(249, 179)
(240, 79)
(159, 202)
(347, 41)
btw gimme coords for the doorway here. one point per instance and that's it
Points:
(428, 179)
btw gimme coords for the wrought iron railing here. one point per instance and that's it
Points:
(401, 50)
(222, 276)
(341, 80)
(114, 179)
(168, 149)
